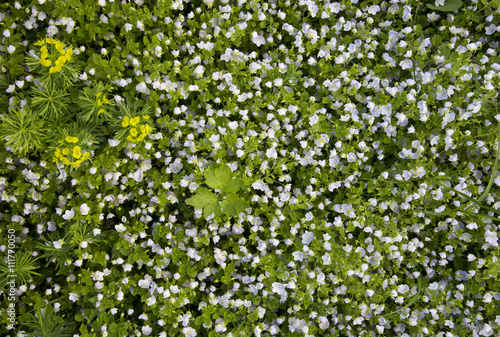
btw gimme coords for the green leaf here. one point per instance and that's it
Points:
(449, 6)
(228, 208)
(213, 207)
(234, 185)
(218, 178)
(234, 205)
(202, 198)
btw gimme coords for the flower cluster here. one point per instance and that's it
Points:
(70, 154)
(56, 57)
(137, 132)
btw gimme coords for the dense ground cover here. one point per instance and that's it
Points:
(249, 168)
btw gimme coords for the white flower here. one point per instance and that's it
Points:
(313, 119)
(128, 27)
(199, 71)
(189, 332)
(439, 3)
(57, 244)
(272, 153)
(151, 301)
(68, 214)
(113, 142)
(11, 49)
(141, 87)
(73, 297)
(84, 209)
(406, 64)
(120, 228)
(146, 330)
(102, 2)
(279, 288)
(257, 39)
(491, 238)
(326, 259)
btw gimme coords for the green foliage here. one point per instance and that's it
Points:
(219, 179)
(23, 131)
(95, 105)
(449, 6)
(45, 323)
(25, 269)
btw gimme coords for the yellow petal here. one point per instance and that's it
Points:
(61, 60)
(45, 63)
(44, 49)
(44, 55)
(39, 43)
(135, 120)
(133, 132)
(60, 49)
(143, 129)
(51, 40)
(65, 151)
(125, 121)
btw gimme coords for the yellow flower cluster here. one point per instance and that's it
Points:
(56, 60)
(134, 136)
(71, 155)
(101, 102)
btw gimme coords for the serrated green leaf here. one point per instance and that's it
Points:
(213, 207)
(233, 185)
(449, 6)
(202, 198)
(218, 178)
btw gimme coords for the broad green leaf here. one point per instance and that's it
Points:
(213, 207)
(449, 6)
(202, 198)
(218, 178)
(228, 208)
(234, 185)
(233, 204)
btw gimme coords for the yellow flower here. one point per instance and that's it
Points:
(145, 116)
(57, 153)
(69, 52)
(65, 151)
(45, 63)
(85, 156)
(130, 138)
(134, 121)
(105, 100)
(60, 48)
(39, 43)
(98, 94)
(77, 152)
(141, 137)
(70, 139)
(61, 60)
(101, 111)
(51, 40)
(133, 132)
(44, 50)
(99, 102)
(55, 69)
(148, 129)
(125, 121)
(65, 161)
(44, 56)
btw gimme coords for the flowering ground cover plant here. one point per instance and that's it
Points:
(249, 168)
